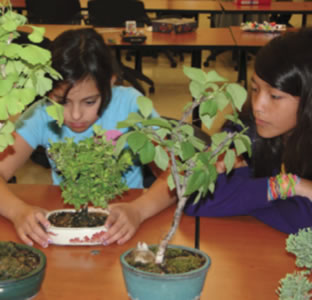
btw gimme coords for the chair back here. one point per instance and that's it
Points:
(103, 13)
(53, 11)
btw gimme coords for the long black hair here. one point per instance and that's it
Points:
(286, 64)
(82, 53)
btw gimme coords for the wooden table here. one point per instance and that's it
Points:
(302, 8)
(248, 257)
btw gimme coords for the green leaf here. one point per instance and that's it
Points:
(207, 120)
(208, 107)
(171, 183)
(247, 142)
(161, 158)
(213, 76)
(14, 103)
(6, 85)
(37, 34)
(3, 109)
(136, 141)
(188, 129)
(147, 153)
(239, 146)
(196, 89)
(195, 182)
(187, 150)
(195, 74)
(121, 142)
(222, 100)
(8, 127)
(197, 143)
(229, 160)
(13, 50)
(159, 122)
(27, 95)
(35, 55)
(56, 111)
(145, 106)
(218, 138)
(135, 117)
(238, 94)
(43, 85)
(126, 124)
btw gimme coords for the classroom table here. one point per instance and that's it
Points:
(248, 258)
(302, 8)
(194, 42)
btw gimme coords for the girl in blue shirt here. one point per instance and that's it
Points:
(89, 97)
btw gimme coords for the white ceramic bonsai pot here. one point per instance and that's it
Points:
(85, 236)
(142, 285)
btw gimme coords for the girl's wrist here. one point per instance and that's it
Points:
(282, 186)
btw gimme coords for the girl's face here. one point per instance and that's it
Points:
(275, 112)
(81, 104)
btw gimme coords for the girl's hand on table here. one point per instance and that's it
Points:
(122, 223)
(31, 225)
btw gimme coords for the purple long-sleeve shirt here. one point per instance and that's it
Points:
(242, 194)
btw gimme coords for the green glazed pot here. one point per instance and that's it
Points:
(27, 286)
(143, 285)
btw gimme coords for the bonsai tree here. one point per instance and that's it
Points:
(172, 144)
(25, 71)
(91, 172)
(298, 286)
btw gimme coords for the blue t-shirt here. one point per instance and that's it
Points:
(38, 128)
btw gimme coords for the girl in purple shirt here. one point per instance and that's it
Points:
(275, 186)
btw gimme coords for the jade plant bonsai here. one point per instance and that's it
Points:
(90, 171)
(298, 285)
(172, 144)
(25, 71)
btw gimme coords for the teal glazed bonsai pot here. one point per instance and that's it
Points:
(143, 285)
(25, 287)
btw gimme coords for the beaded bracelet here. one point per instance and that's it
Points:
(282, 186)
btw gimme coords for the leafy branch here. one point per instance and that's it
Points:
(172, 144)
(25, 70)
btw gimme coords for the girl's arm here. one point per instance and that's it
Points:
(125, 218)
(28, 220)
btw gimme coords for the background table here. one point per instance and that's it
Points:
(248, 257)
(302, 8)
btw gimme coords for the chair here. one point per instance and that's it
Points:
(53, 11)
(115, 14)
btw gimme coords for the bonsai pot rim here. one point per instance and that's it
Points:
(26, 286)
(143, 285)
(77, 236)
(203, 268)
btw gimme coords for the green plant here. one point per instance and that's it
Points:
(171, 143)
(25, 71)
(91, 173)
(297, 286)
